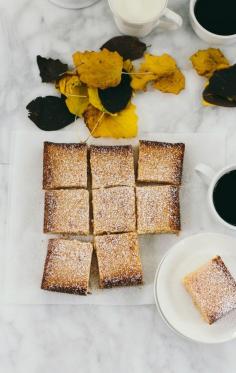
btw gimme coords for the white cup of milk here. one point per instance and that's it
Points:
(140, 17)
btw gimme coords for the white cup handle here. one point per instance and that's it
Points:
(173, 20)
(206, 173)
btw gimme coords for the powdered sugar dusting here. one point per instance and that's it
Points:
(67, 266)
(213, 289)
(112, 166)
(114, 210)
(65, 166)
(67, 211)
(160, 162)
(118, 260)
(158, 209)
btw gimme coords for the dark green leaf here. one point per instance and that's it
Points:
(221, 90)
(129, 47)
(115, 99)
(214, 99)
(50, 70)
(49, 113)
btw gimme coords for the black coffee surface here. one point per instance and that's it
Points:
(224, 197)
(217, 16)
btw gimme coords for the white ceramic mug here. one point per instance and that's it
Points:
(206, 35)
(73, 4)
(211, 177)
(164, 17)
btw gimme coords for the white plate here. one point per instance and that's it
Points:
(174, 303)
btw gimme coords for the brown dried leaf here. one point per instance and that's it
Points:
(129, 47)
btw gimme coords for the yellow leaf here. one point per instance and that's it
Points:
(152, 69)
(173, 83)
(122, 125)
(94, 99)
(205, 103)
(206, 61)
(139, 81)
(69, 84)
(78, 101)
(128, 66)
(76, 93)
(158, 65)
(99, 69)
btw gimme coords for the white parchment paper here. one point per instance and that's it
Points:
(26, 246)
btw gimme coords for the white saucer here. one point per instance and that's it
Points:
(172, 300)
(73, 4)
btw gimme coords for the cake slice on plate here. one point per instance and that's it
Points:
(213, 289)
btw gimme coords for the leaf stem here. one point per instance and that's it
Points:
(73, 71)
(95, 127)
(145, 73)
(77, 96)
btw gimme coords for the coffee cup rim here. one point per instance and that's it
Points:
(217, 177)
(137, 22)
(220, 37)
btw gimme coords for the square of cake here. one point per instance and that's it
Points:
(158, 209)
(64, 166)
(114, 210)
(119, 261)
(66, 211)
(213, 289)
(67, 266)
(112, 166)
(160, 162)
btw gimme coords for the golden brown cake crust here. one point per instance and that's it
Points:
(213, 289)
(160, 162)
(118, 260)
(67, 266)
(112, 166)
(114, 210)
(66, 211)
(64, 165)
(158, 209)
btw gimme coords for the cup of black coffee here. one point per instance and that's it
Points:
(221, 193)
(214, 21)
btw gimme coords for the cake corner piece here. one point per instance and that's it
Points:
(160, 162)
(64, 165)
(67, 266)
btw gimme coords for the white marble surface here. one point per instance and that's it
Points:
(39, 339)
